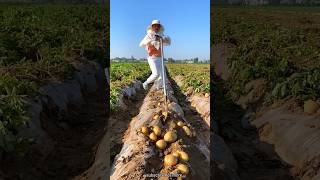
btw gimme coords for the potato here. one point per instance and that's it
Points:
(170, 136)
(184, 169)
(206, 95)
(187, 131)
(172, 125)
(159, 104)
(310, 107)
(145, 130)
(180, 124)
(155, 117)
(153, 136)
(165, 113)
(176, 154)
(156, 130)
(183, 156)
(170, 160)
(161, 144)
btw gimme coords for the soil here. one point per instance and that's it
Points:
(190, 113)
(119, 122)
(256, 159)
(139, 156)
(76, 138)
(220, 54)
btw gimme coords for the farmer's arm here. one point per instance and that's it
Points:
(145, 42)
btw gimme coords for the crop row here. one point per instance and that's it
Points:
(37, 45)
(123, 75)
(195, 76)
(278, 47)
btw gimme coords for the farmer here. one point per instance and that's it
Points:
(152, 44)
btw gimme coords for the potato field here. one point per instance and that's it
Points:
(150, 139)
(51, 70)
(266, 82)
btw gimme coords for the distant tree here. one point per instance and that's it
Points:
(132, 58)
(195, 60)
(170, 60)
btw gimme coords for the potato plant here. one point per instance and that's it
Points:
(196, 76)
(123, 75)
(37, 45)
(273, 45)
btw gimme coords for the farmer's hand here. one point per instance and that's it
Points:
(157, 37)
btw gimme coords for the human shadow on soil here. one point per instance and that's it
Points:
(256, 159)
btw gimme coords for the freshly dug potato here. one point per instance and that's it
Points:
(310, 106)
(183, 156)
(159, 104)
(161, 144)
(145, 130)
(156, 130)
(172, 125)
(180, 123)
(184, 169)
(165, 113)
(176, 154)
(170, 160)
(170, 136)
(206, 95)
(187, 130)
(153, 136)
(155, 117)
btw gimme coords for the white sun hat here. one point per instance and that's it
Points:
(161, 30)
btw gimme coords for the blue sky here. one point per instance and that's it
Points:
(187, 22)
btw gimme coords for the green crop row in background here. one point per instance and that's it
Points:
(37, 45)
(278, 45)
(196, 76)
(123, 75)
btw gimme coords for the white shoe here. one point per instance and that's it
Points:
(145, 86)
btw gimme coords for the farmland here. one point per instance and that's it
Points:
(36, 47)
(195, 76)
(144, 124)
(123, 75)
(266, 64)
(283, 49)
(44, 46)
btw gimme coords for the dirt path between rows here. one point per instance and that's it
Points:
(76, 139)
(191, 114)
(256, 159)
(138, 155)
(119, 122)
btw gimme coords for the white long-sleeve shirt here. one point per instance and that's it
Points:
(150, 39)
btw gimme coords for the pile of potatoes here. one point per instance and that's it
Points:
(155, 134)
(176, 159)
(160, 114)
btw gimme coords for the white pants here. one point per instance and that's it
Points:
(156, 69)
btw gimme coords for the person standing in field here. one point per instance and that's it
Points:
(152, 44)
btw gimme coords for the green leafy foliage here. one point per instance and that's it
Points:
(274, 45)
(123, 75)
(37, 45)
(12, 109)
(194, 75)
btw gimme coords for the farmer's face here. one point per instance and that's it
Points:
(156, 27)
